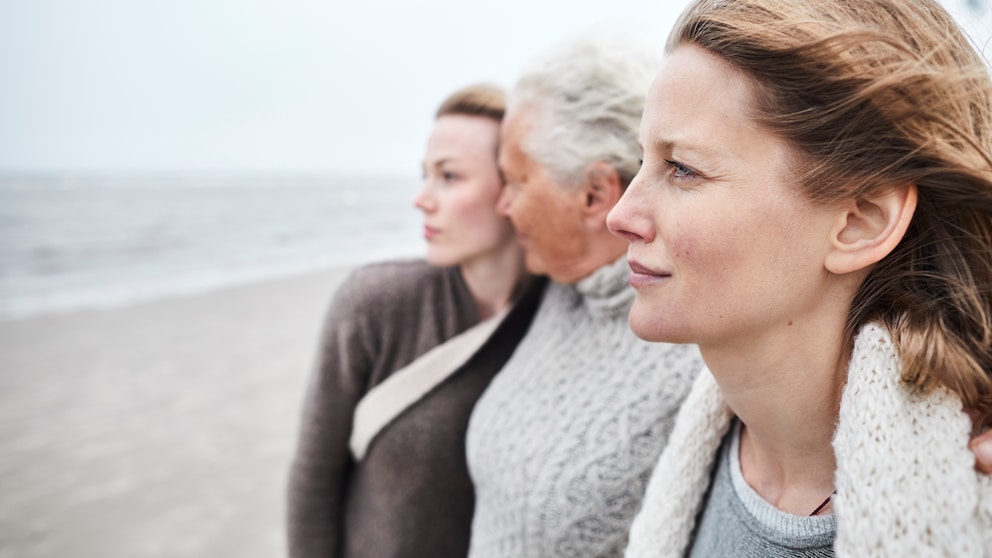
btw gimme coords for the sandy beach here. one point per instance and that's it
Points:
(159, 429)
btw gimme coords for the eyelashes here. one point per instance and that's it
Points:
(680, 172)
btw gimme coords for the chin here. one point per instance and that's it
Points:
(645, 331)
(534, 264)
(441, 260)
(647, 325)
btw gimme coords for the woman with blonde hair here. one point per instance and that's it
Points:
(407, 349)
(814, 210)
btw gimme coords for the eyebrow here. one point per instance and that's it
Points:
(668, 145)
(440, 162)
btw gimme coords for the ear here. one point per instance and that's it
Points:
(601, 191)
(868, 229)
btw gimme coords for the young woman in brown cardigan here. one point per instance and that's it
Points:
(408, 348)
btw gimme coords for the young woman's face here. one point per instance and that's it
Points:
(461, 186)
(723, 246)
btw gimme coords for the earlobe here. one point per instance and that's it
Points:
(868, 229)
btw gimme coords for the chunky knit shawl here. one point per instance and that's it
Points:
(906, 482)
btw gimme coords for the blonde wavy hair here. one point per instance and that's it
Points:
(875, 94)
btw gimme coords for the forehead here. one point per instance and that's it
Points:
(465, 128)
(516, 125)
(456, 136)
(517, 122)
(698, 99)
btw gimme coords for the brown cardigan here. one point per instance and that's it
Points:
(412, 495)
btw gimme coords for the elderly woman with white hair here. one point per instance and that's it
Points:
(562, 442)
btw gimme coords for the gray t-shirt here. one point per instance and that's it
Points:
(737, 522)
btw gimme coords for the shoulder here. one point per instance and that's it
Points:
(386, 284)
(888, 429)
(376, 301)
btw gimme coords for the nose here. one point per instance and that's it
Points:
(424, 201)
(630, 218)
(505, 201)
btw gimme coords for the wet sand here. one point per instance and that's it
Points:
(160, 429)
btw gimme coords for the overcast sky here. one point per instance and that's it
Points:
(270, 85)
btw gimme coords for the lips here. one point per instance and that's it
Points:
(431, 232)
(643, 276)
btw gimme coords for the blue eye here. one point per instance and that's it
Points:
(449, 176)
(680, 172)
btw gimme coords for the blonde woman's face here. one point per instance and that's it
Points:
(723, 247)
(460, 190)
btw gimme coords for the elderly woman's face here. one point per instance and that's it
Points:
(548, 217)
(723, 246)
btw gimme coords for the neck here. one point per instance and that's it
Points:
(785, 388)
(495, 279)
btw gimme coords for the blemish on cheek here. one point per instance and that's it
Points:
(790, 322)
(682, 248)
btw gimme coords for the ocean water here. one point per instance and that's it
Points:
(72, 242)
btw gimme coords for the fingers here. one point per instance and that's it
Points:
(982, 447)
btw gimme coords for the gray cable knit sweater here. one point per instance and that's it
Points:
(562, 443)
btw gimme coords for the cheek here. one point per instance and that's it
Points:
(475, 203)
(683, 247)
(523, 210)
(707, 248)
(693, 236)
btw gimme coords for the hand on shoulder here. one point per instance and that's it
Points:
(981, 445)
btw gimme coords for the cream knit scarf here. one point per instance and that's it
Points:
(906, 482)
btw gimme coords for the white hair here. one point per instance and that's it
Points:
(586, 96)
